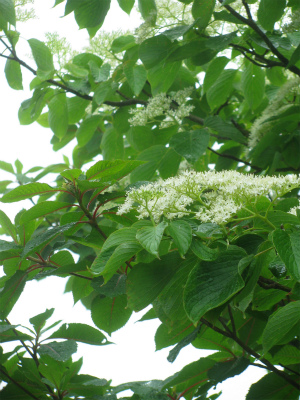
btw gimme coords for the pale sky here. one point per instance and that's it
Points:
(133, 356)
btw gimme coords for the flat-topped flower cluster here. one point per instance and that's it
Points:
(207, 196)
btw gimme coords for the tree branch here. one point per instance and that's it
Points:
(270, 284)
(234, 158)
(18, 384)
(252, 24)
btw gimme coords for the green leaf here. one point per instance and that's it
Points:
(87, 129)
(272, 387)
(211, 284)
(280, 324)
(288, 247)
(39, 241)
(136, 77)
(123, 43)
(13, 74)
(166, 160)
(100, 74)
(148, 10)
(126, 5)
(104, 90)
(7, 11)
(124, 252)
(91, 13)
(190, 145)
(181, 233)
(269, 12)
(11, 292)
(42, 55)
(213, 71)
(219, 92)
(111, 170)
(110, 314)
(202, 251)
(6, 167)
(39, 320)
(147, 281)
(154, 50)
(80, 333)
(58, 115)
(115, 287)
(42, 209)
(27, 191)
(112, 145)
(150, 237)
(224, 370)
(294, 57)
(253, 84)
(60, 351)
(162, 76)
(118, 237)
(225, 130)
(7, 226)
(76, 108)
(202, 11)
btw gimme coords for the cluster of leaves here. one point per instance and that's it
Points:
(235, 288)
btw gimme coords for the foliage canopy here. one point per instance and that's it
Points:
(193, 208)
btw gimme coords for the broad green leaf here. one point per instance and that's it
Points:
(147, 281)
(213, 283)
(295, 57)
(166, 160)
(111, 170)
(273, 387)
(181, 233)
(87, 129)
(202, 11)
(60, 351)
(165, 336)
(253, 84)
(13, 74)
(224, 370)
(219, 92)
(126, 5)
(110, 314)
(39, 320)
(213, 71)
(42, 209)
(280, 324)
(269, 12)
(162, 76)
(58, 115)
(150, 237)
(45, 238)
(71, 174)
(148, 10)
(7, 226)
(287, 355)
(7, 11)
(11, 292)
(202, 251)
(136, 77)
(154, 50)
(225, 130)
(75, 70)
(42, 55)
(80, 333)
(123, 43)
(27, 191)
(124, 252)
(191, 145)
(104, 90)
(115, 287)
(76, 108)
(100, 74)
(112, 145)
(288, 247)
(91, 14)
(118, 237)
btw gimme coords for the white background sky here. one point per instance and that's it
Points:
(133, 356)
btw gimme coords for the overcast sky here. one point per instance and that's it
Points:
(133, 356)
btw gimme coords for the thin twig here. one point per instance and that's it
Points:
(18, 384)
(266, 283)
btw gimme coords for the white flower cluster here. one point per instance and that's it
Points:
(277, 105)
(294, 209)
(215, 196)
(161, 104)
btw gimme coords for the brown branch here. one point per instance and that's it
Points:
(252, 24)
(18, 384)
(23, 343)
(247, 8)
(235, 159)
(270, 284)
(267, 363)
(243, 131)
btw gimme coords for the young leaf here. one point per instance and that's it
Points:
(181, 233)
(13, 74)
(110, 314)
(280, 324)
(80, 333)
(212, 283)
(39, 320)
(150, 237)
(27, 192)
